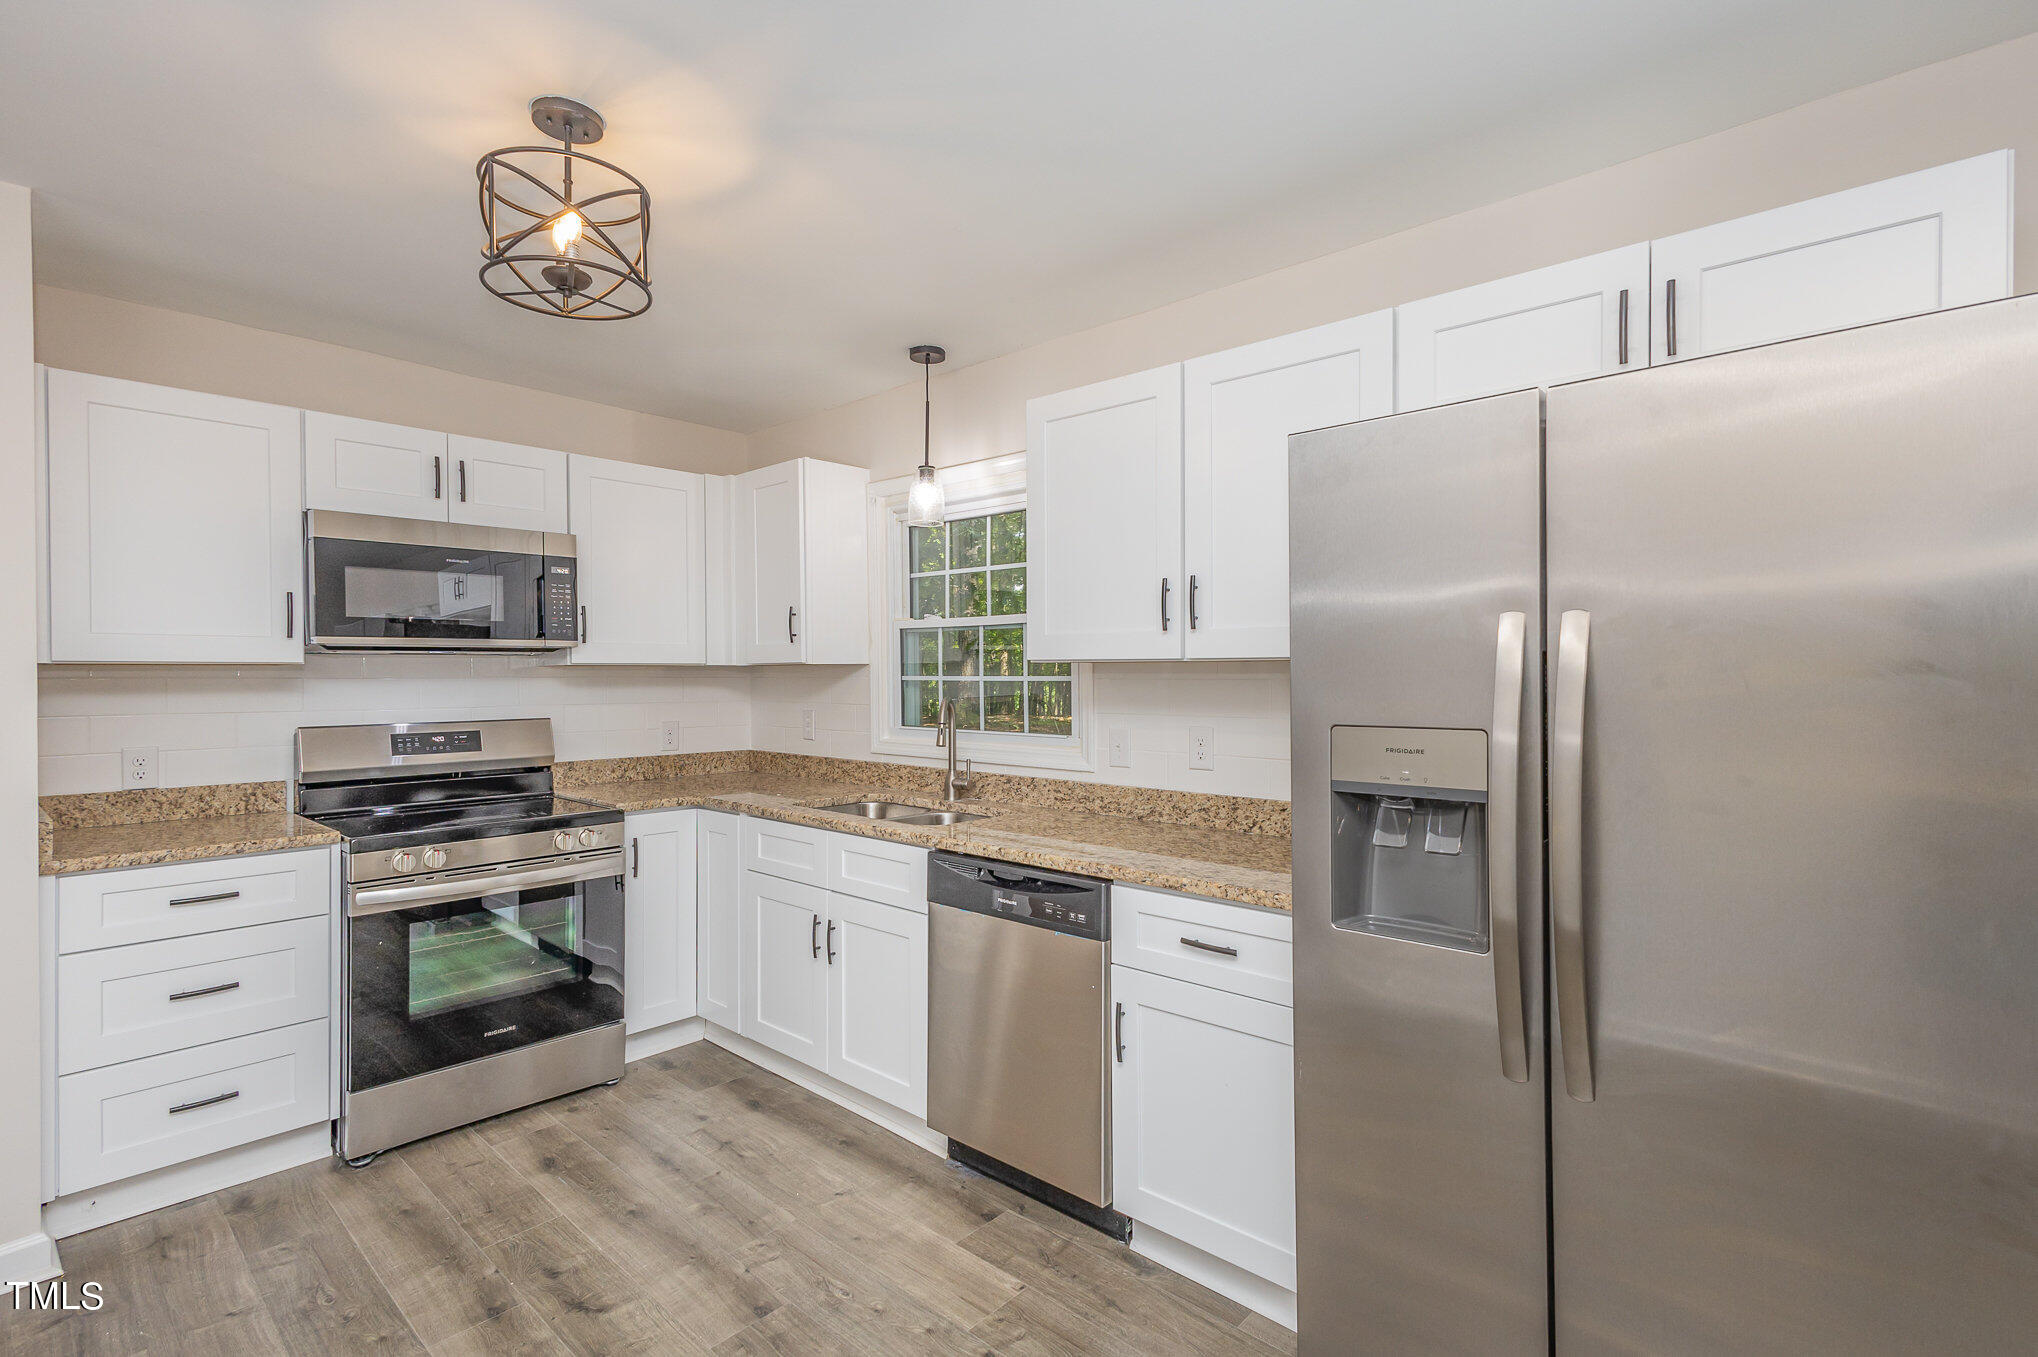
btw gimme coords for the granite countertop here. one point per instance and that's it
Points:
(98, 848)
(1248, 869)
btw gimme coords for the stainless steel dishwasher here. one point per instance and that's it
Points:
(1018, 1047)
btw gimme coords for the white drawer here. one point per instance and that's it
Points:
(789, 852)
(877, 869)
(115, 1122)
(1206, 942)
(141, 904)
(122, 1003)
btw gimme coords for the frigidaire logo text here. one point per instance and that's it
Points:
(500, 1030)
(1397, 749)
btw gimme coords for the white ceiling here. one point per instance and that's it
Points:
(832, 182)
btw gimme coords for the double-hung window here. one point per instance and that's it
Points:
(956, 599)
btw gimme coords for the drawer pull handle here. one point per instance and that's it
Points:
(205, 1102)
(1203, 946)
(209, 989)
(206, 899)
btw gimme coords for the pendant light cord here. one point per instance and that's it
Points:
(927, 416)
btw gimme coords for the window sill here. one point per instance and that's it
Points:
(987, 757)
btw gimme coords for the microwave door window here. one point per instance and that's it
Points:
(382, 590)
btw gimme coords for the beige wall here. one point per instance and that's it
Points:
(20, 965)
(147, 344)
(1971, 104)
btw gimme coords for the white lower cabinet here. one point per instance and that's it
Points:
(717, 903)
(785, 981)
(1203, 1119)
(835, 980)
(659, 965)
(877, 1000)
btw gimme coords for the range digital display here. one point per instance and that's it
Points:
(409, 742)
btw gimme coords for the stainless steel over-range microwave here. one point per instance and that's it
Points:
(412, 584)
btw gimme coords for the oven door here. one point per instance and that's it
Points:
(446, 971)
(391, 584)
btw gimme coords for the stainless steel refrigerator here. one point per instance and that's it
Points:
(1700, 706)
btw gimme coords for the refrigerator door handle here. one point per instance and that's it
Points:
(1567, 849)
(1503, 867)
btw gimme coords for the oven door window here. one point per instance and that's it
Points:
(442, 984)
(393, 591)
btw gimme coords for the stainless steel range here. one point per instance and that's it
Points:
(484, 924)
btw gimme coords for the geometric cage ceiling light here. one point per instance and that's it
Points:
(576, 250)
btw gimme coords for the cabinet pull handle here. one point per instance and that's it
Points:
(289, 613)
(635, 860)
(817, 935)
(1203, 946)
(205, 1102)
(438, 477)
(1670, 319)
(831, 942)
(1192, 603)
(583, 624)
(463, 480)
(1166, 585)
(1118, 1031)
(206, 899)
(209, 989)
(1623, 327)
(790, 634)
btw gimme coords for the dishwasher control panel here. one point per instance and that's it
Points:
(1077, 905)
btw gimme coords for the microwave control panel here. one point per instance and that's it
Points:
(561, 617)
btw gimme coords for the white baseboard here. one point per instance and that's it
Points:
(31, 1258)
(638, 1045)
(145, 1192)
(1229, 1280)
(901, 1124)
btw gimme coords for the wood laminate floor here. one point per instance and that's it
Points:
(703, 1205)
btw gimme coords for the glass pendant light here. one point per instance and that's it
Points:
(926, 505)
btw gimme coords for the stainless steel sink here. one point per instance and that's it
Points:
(903, 814)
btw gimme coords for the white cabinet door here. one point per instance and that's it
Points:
(877, 1000)
(658, 919)
(506, 485)
(175, 525)
(1203, 1120)
(785, 980)
(1937, 238)
(717, 904)
(1104, 520)
(363, 466)
(1238, 409)
(768, 558)
(1572, 320)
(638, 531)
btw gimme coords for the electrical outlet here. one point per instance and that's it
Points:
(806, 723)
(138, 767)
(1121, 748)
(1202, 747)
(668, 738)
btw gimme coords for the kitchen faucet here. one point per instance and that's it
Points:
(955, 785)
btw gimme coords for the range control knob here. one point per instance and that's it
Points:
(563, 840)
(435, 858)
(589, 838)
(403, 860)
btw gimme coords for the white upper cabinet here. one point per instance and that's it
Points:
(1578, 319)
(174, 525)
(639, 533)
(506, 485)
(362, 466)
(1104, 520)
(1238, 409)
(800, 576)
(1920, 242)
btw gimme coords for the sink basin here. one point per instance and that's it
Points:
(902, 814)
